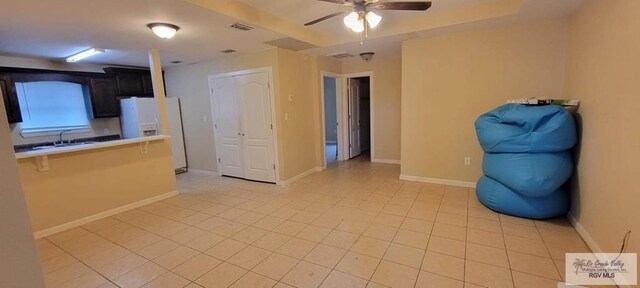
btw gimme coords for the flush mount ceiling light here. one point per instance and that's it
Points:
(84, 54)
(367, 56)
(163, 30)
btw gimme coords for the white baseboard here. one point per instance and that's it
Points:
(205, 172)
(584, 234)
(300, 176)
(85, 220)
(385, 161)
(439, 181)
(593, 245)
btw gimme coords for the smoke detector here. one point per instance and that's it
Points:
(367, 56)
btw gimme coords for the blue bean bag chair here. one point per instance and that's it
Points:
(532, 175)
(499, 198)
(517, 128)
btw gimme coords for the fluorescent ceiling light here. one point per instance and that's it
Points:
(84, 54)
(163, 30)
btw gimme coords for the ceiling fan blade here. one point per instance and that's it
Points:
(417, 6)
(323, 18)
(335, 1)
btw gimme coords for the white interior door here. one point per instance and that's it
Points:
(354, 117)
(257, 135)
(225, 108)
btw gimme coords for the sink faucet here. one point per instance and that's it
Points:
(61, 133)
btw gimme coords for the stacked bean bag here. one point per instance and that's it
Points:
(527, 159)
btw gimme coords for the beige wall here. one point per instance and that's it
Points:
(449, 80)
(190, 84)
(386, 103)
(294, 74)
(81, 184)
(603, 65)
(20, 265)
(299, 78)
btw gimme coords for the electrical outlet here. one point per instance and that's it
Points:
(467, 161)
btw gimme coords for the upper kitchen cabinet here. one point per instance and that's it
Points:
(132, 82)
(10, 98)
(147, 84)
(104, 101)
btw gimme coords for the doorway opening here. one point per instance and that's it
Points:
(330, 88)
(359, 102)
(347, 116)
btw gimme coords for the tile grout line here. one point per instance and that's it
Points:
(85, 264)
(341, 258)
(327, 195)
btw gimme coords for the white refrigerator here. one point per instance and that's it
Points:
(140, 117)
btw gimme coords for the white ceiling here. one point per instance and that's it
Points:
(303, 11)
(57, 29)
(391, 45)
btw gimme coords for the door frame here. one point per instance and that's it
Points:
(272, 101)
(343, 114)
(339, 87)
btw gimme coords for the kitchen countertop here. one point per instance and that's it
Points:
(88, 146)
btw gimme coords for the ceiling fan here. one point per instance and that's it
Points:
(362, 17)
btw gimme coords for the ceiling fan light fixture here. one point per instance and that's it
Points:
(354, 22)
(373, 19)
(164, 30)
(359, 27)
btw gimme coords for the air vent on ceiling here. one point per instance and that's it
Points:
(227, 51)
(240, 26)
(340, 55)
(291, 44)
(176, 62)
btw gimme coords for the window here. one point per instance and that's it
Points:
(49, 107)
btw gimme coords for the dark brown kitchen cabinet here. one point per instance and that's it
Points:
(10, 98)
(104, 102)
(132, 82)
(147, 84)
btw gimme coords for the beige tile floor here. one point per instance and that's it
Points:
(353, 225)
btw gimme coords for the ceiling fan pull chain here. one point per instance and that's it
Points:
(366, 28)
